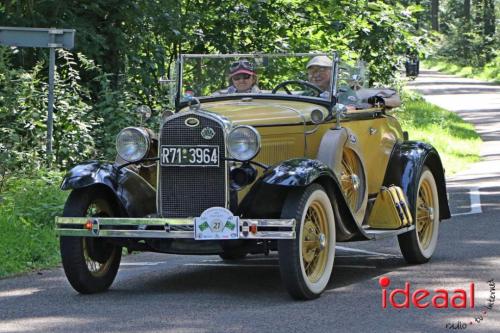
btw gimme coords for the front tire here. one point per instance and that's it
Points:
(306, 263)
(90, 264)
(418, 245)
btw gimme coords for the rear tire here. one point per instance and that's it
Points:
(418, 245)
(90, 264)
(306, 263)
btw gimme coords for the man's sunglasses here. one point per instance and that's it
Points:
(238, 77)
(245, 64)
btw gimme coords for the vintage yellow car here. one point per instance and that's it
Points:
(259, 152)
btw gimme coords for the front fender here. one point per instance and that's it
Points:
(268, 194)
(405, 166)
(297, 172)
(136, 196)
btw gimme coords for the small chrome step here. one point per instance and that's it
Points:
(383, 233)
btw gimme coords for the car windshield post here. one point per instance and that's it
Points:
(333, 78)
(179, 82)
(333, 92)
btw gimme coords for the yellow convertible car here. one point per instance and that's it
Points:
(258, 152)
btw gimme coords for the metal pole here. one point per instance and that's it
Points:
(50, 119)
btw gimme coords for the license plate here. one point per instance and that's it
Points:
(216, 223)
(189, 156)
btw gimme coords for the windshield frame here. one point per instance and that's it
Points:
(333, 88)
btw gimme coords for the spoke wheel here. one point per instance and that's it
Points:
(90, 264)
(306, 263)
(425, 214)
(419, 245)
(352, 180)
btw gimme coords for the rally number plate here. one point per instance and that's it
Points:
(216, 223)
(189, 155)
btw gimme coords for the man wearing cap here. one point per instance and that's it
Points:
(242, 78)
(319, 72)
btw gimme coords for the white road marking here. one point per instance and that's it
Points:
(366, 251)
(475, 202)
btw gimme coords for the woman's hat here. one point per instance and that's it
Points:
(241, 67)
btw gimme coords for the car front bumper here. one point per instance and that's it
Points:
(178, 228)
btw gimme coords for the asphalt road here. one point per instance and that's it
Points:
(168, 293)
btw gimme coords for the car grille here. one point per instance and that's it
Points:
(188, 191)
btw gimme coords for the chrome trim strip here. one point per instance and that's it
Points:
(166, 232)
(269, 235)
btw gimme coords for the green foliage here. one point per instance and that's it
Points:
(33, 199)
(456, 141)
(23, 115)
(468, 40)
(28, 205)
(490, 72)
(123, 48)
(24, 247)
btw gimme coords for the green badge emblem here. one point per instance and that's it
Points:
(203, 226)
(230, 225)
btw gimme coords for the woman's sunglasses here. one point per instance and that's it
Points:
(238, 77)
(245, 64)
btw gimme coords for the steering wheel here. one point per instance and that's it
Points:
(284, 85)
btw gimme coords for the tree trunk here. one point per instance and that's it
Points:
(435, 15)
(489, 17)
(467, 10)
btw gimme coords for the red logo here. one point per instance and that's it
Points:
(423, 298)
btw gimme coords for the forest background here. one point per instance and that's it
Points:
(122, 48)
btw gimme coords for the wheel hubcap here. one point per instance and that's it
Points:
(315, 235)
(425, 214)
(351, 179)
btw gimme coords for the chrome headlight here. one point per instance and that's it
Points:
(132, 144)
(243, 143)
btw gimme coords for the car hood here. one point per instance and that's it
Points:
(263, 111)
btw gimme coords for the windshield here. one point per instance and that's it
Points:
(300, 75)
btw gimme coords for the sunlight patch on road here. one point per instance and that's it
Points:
(144, 263)
(41, 324)
(19, 292)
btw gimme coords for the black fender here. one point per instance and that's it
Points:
(405, 166)
(267, 196)
(136, 196)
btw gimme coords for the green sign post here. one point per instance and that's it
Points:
(41, 37)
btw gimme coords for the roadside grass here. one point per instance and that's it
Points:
(490, 72)
(24, 247)
(27, 209)
(456, 141)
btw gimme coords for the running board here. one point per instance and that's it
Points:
(379, 233)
